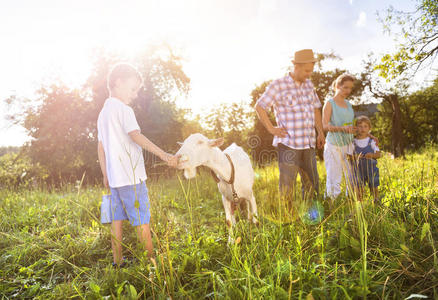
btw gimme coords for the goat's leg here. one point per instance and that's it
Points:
(229, 217)
(229, 214)
(252, 210)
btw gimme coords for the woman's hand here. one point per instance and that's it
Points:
(374, 138)
(349, 129)
(320, 140)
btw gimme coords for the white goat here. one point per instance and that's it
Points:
(197, 150)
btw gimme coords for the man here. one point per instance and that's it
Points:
(297, 113)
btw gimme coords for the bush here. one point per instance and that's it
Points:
(17, 169)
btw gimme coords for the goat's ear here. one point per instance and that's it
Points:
(216, 142)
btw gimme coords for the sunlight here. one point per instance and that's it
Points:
(221, 42)
(62, 48)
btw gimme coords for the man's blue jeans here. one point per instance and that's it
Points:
(293, 161)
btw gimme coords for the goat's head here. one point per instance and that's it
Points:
(196, 151)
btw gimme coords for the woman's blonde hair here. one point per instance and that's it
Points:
(341, 80)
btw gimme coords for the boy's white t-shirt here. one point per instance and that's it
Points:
(362, 143)
(124, 158)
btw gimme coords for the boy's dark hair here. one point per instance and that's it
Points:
(363, 119)
(122, 71)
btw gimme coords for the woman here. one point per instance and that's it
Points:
(337, 119)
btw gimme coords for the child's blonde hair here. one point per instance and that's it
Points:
(363, 119)
(122, 71)
(341, 79)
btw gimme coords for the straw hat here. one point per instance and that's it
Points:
(304, 56)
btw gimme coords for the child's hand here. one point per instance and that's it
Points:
(172, 160)
(369, 155)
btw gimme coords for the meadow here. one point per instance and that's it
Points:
(52, 245)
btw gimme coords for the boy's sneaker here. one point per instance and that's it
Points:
(123, 264)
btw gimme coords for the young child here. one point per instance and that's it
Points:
(365, 164)
(121, 159)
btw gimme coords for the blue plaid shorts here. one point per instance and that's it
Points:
(131, 202)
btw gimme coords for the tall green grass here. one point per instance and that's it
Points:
(52, 244)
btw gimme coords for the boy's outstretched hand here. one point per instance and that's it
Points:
(172, 160)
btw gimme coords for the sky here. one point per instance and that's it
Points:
(229, 46)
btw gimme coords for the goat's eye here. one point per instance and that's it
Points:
(200, 142)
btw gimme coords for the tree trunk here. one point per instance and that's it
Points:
(397, 141)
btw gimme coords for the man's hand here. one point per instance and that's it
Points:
(278, 131)
(171, 160)
(320, 140)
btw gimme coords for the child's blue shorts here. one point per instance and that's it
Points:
(131, 202)
(366, 172)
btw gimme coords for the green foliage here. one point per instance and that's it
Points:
(418, 38)
(53, 245)
(63, 128)
(421, 116)
(231, 121)
(62, 121)
(420, 119)
(17, 170)
(8, 149)
(260, 140)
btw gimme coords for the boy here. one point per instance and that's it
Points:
(121, 158)
(365, 164)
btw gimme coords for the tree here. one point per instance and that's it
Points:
(419, 122)
(8, 149)
(391, 96)
(231, 122)
(62, 121)
(418, 38)
(215, 121)
(62, 130)
(420, 126)
(260, 140)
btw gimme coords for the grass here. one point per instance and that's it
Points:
(52, 245)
